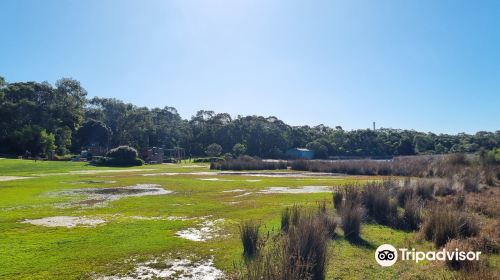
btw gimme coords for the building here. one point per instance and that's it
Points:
(152, 155)
(301, 153)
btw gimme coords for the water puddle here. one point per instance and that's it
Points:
(100, 196)
(300, 190)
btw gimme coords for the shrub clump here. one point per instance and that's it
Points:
(300, 252)
(443, 224)
(305, 249)
(377, 202)
(352, 215)
(120, 156)
(338, 198)
(249, 233)
(462, 245)
(412, 214)
(248, 163)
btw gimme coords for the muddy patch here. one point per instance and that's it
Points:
(100, 196)
(300, 190)
(12, 178)
(65, 221)
(204, 231)
(172, 269)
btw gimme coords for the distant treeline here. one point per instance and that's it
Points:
(38, 117)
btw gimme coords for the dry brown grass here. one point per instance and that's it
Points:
(485, 202)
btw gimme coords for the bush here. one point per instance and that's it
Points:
(352, 215)
(404, 194)
(305, 249)
(461, 245)
(208, 159)
(425, 189)
(296, 254)
(444, 189)
(338, 198)
(412, 214)
(249, 233)
(285, 219)
(248, 163)
(376, 199)
(470, 181)
(121, 156)
(443, 224)
(329, 224)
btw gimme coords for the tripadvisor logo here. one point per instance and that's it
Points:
(387, 255)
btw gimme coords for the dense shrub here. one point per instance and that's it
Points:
(352, 215)
(470, 181)
(120, 156)
(248, 163)
(305, 249)
(296, 254)
(424, 189)
(403, 194)
(412, 214)
(208, 159)
(329, 224)
(338, 198)
(444, 166)
(249, 233)
(285, 219)
(444, 189)
(462, 245)
(443, 224)
(377, 202)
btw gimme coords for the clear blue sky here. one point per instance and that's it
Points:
(423, 64)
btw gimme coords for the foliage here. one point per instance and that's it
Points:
(443, 224)
(93, 132)
(239, 149)
(300, 252)
(352, 215)
(213, 150)
(249, 233)
(61, 110)
(248, 163)
(208, 159)
(121, 156)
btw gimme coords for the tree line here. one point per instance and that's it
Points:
(38, 117)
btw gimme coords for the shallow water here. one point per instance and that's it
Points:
(99, 196)
(300, 190)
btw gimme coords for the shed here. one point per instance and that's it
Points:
(301, 153)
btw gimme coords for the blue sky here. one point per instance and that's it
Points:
(426, 65)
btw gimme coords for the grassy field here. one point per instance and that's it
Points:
(140, 228)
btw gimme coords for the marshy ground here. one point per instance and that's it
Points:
(66, 220)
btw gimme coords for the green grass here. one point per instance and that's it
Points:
(35, 252)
